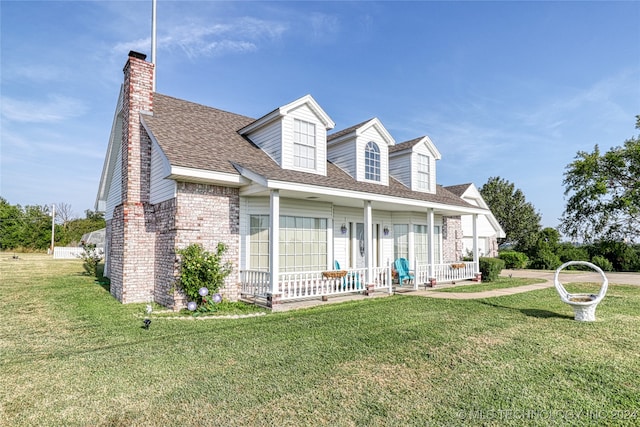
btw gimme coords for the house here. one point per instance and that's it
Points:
(488, 231)
(290, 198)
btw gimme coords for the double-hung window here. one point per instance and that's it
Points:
(304, 144)
(423, 172)
(372, 162)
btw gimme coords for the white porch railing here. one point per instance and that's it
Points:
(454, 271)
(446, 272)
(309, 284)
(255, 282)
(296, 285)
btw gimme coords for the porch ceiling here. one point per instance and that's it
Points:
(356, 200)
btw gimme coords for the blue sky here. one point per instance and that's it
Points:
(509, 89)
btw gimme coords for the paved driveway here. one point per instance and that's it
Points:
(578, 276)
(548, 275)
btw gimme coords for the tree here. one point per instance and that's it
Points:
(26, 228)
(518, 218)
(543, 253)
(604, 194)
(64, 214)
(79, 227)
(11, 224)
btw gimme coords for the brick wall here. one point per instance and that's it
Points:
(452, 245)
(166, 265)
(208, 214)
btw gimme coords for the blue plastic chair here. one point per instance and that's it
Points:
(402, 268)
(351, 277)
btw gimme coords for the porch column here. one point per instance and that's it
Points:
(432, 249)
(476, 257)
(368, 241)
(274, 240)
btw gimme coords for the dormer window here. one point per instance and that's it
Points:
(372, 161)
(423, 172)
(304, 144)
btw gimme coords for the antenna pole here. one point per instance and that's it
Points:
(153, 41)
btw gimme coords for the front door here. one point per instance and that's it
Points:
(358, 245)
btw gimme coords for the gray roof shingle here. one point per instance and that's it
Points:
(196, 136)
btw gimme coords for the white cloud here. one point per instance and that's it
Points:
(204, 39)
(324, 27)
(603, 100)
(54, 109)
(36, 72)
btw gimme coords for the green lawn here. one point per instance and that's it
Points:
(72, 355)
(499, 283)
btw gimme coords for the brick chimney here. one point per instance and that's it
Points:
(132, 262)
(136, 158)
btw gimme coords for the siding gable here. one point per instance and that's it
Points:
(305, 114)
(114, 195)
(161, 188)
(373, 134)
(404, 163)
(274, 133)
(347, 150)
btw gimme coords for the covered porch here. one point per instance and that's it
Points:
(361, 236)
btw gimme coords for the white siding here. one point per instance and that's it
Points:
(372, 134)
(161, 189)
(404, 168)
(269, 138)
(400, 168)
(115, 189)
(304, 113)
(344, 156)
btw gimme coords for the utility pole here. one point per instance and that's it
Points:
(53, 226)
(153, 41)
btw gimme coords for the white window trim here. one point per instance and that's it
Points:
(374, 163)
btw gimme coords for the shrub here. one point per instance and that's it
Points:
(569, 252)
(202, 269)
(623, 257)
(513, 259)
(91, 257)
(546, 260)
(490, 268)
(602, 262)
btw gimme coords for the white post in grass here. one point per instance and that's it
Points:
(53, 226)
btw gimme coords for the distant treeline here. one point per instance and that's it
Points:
(29, 227)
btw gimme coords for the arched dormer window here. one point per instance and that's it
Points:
(372, 161)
